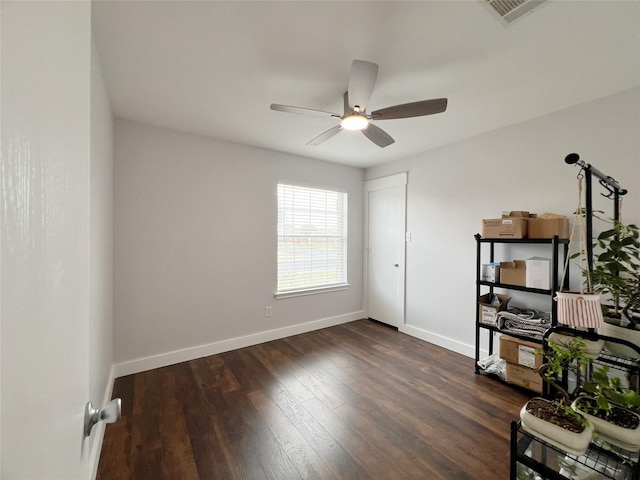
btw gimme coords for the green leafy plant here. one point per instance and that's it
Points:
(568, 356)
(608, 391)
(616, 269)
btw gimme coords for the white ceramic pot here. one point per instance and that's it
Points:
(592, 348)
(626, 438)
(624, 333)
(566, 441)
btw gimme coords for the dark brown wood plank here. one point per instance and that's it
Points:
(307, 462)
(354, 401)
(117, 438)
(146, 448)
(177, 456)
(326, 446)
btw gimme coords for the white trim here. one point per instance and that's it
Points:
(391, 181)
(184, 355)
(99, 429)
(311, 291)
(440, 340)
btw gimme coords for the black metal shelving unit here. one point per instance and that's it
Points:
(556, 244)
(531, 455)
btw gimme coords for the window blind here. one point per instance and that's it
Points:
(312, 238)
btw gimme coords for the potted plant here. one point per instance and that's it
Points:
(592, 347)
(616, 273)
(607, 406)
(554, 421)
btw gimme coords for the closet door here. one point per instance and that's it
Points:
(385, 205)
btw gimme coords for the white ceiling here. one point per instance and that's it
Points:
(214, 68)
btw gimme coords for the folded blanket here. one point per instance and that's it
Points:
(530, 323)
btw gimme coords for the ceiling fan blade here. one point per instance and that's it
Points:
(415, 109)
(324, 136)
(378, 136)
(302, 111)
(362, 79)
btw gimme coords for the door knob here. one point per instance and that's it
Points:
(109, 413)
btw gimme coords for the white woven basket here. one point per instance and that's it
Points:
(577, 309)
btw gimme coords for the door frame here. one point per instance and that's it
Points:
(391, 181)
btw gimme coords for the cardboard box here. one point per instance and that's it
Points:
(517, 213)
(511, 227)
(523, 376)
(520, 352)
(514, 273)
(490, 272)
(488, 311)
(538, 273)
(548, 227)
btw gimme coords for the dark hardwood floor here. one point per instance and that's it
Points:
(355, 401)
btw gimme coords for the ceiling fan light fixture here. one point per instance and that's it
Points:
(354, 122)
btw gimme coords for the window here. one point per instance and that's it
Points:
(312, 240)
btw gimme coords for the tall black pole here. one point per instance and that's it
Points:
(589, 218)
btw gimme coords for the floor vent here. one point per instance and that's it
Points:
(510, 10)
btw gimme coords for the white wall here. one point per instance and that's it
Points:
(520, 167)
(195, 246)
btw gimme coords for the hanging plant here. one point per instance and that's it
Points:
(616, 270)
(616, 275)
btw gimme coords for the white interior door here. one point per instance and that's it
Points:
(44, 238)
(385, 203)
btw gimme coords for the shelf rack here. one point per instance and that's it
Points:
(555, 243)
(538, 456)
(533, 454)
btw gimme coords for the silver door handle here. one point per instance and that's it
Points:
(109, 413)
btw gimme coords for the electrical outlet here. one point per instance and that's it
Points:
(267, 311)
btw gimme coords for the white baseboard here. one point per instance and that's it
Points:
(99, 429)
(184, 355)
(440, 340)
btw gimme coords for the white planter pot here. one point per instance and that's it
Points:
(566, 441)
(626, 438)
(624, 333)
(592, 348)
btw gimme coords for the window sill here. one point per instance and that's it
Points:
(311, 291)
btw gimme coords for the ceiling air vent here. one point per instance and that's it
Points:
(509, 10)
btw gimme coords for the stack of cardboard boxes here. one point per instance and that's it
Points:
(513, 224)
(522, 224)
(534, 272)
(521, 362)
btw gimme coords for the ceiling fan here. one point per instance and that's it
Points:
(362, 79)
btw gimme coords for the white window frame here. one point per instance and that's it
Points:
(306, 213)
